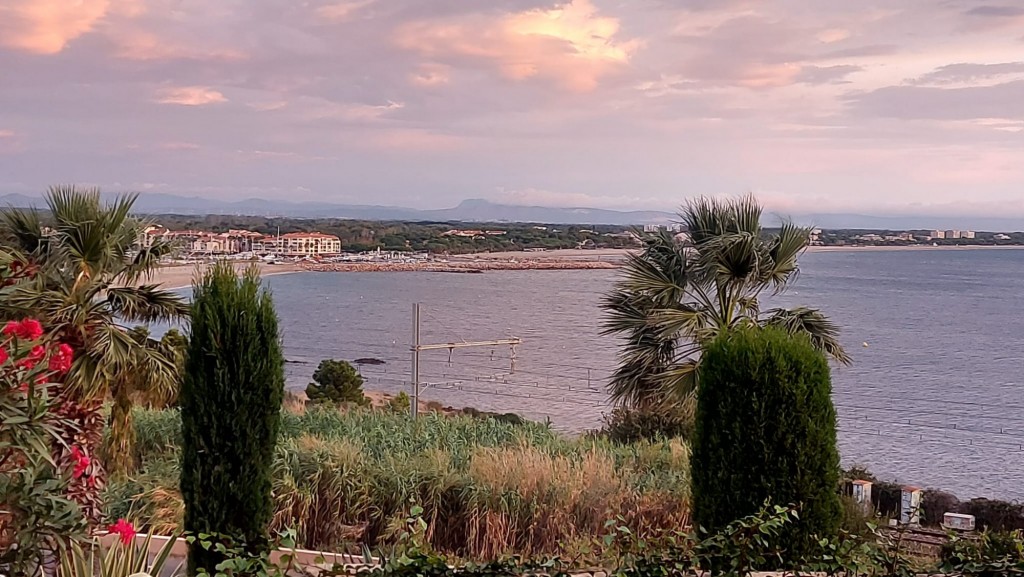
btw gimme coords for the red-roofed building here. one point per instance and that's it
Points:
(301, 244)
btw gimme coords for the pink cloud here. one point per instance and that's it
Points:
(429, 74)
(572, 45)
(190, 96)
(411, 139)
(46, 26)
(6, 134)
(342, 11)
(142, 45)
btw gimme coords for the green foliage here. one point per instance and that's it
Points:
(336, 382)
(363, 235)
(36, 514)
(91, 282)
(487, 488)
(674, 298)
(991, 555)
(93, 559)
(236, 558)
(42, 518)
(627, 425)
(400, 403)
(230, 411)
(766, 429)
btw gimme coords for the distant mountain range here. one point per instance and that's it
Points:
(478, 210)
(474, 210)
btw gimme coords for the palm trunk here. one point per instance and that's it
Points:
(121, 455)
(86, 433)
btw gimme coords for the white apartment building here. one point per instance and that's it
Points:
(952, 234)
(300, 244)
(937, 234)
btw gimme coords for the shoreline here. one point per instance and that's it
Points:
(176, 277)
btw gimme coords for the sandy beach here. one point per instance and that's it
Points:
(180, 276)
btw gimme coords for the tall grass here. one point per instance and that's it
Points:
(486, 488)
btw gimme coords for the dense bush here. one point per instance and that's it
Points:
(994, 554)
(766, 430)
(628, 425)
(336, 382)
(995, 515)
(230, 410)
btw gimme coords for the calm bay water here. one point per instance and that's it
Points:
(934, 397)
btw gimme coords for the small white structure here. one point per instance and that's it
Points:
(910, 506)
(958, 522)
(861, 492)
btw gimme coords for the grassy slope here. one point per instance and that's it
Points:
(486, 487)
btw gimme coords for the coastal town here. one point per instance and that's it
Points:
(348, 242)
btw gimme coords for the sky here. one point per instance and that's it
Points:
(889, 107)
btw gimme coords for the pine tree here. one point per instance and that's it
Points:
(230, 410)
(336, 382)
(766, 429)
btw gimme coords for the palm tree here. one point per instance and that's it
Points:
(147, 384)
(90, 290)
(675, 297)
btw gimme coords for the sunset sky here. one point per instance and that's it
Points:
(886, 107)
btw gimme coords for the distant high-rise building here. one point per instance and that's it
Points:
(953, 234)
(652, 227)
(968, 234)
(938, 234)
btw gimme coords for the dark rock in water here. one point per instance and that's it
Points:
(369, 361)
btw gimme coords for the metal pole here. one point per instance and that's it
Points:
(414, 407)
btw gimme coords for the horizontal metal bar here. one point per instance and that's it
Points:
(463, 345)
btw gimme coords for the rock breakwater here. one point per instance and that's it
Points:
(454, 267)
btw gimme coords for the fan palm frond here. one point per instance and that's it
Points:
(824, 334)
(672, 300)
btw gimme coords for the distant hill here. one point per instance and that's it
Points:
(478, 210)
(468, 211)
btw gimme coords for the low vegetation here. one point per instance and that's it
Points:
(486, 488)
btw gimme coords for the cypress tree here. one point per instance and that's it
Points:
(230, 403)
(766, 429)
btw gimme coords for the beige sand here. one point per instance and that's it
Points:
(180, 276)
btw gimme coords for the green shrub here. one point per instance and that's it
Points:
(766, 430)
(993, 554)
(336, 382)
(230, 411)
(628, 425)
(400, 403)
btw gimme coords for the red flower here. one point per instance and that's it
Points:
(29, 329)
(60, 360)
(34, 356)
(81, 462)
(125, 529)
(3, 355)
